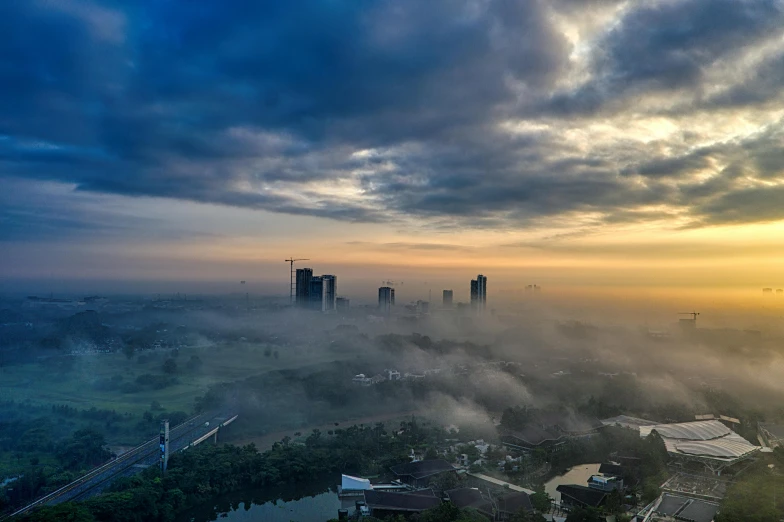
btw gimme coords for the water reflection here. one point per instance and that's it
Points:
(305, 501)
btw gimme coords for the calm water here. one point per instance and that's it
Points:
(577, 475)
(304, 502)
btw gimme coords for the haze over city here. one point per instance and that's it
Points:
(391, 260)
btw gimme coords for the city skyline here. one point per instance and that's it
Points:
(559, 156)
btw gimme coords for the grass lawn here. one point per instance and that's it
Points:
(41, 383)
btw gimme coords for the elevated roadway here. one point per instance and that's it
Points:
(190, 433)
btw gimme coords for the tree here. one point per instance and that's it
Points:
(170, 366)
(541, 501)
(614, 502)
(67, 512)
(526, 516)
(84, 449)
(584, 515)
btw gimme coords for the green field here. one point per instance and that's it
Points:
(42, 383)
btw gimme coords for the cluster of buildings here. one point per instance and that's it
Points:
(392, 375)
(318, 292)
(410, 493)
(386, 297)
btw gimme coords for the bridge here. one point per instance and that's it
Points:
(188, 434)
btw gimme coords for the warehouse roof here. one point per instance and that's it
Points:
(709, 439)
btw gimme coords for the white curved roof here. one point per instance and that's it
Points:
(701, 430)
(710, 439)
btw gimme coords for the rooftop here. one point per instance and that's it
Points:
(683, 508)
(608, 468)
(422, 468)
(400, 501)
(514, 502)
(469, 498)
(710, 439)
(627, 422)
(584, 495)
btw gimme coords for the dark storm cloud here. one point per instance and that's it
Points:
(667, 46)
(254, 103)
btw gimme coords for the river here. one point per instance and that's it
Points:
(302, 502)
(575, 475)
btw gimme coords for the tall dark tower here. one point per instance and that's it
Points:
(481, 284)
(164, 445)
(447, 302)
(479, 292)
(304, 275)
(386, 298)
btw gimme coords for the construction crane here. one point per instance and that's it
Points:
(692, 314)
(391, 283)
(291, 261)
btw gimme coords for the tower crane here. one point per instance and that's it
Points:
(291, 261)
(692, 314)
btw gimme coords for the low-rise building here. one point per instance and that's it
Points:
(676, 508)
(421, 472)
(509, 505)
(605, 483)
(573, 495)
(470, 498)
(381, 504)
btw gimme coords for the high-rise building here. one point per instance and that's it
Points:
(482, 289)
(479, 292)
(303, 277)
(330, 291)
(447, 303)
(386, 298)
(342, 304)
(317, 294)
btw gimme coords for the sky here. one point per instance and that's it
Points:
(584, 143)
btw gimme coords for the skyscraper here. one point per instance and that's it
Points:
(304, 275)
(482, 289)
(317, 294)
(330, 291)
(447, 303)
(479, 292)
(386, 298)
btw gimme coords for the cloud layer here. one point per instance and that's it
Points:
(483, 113)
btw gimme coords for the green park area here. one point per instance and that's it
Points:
(125, 384)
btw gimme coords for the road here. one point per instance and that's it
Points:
(190, 432)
